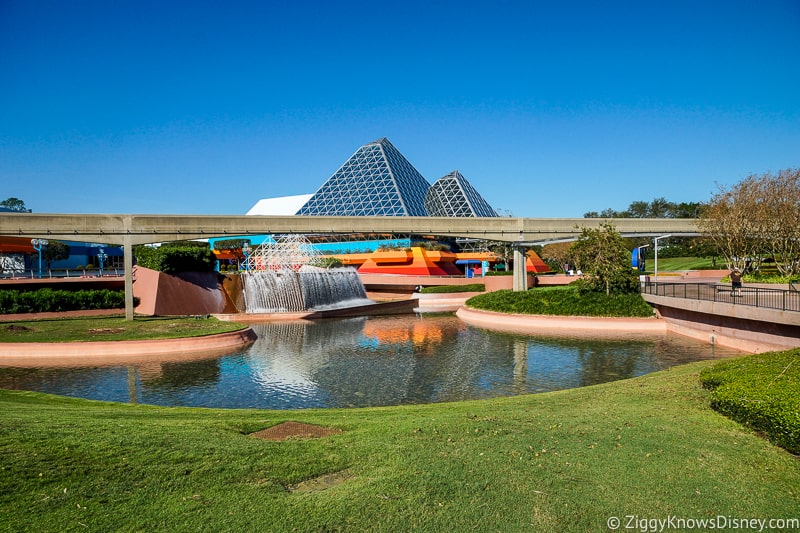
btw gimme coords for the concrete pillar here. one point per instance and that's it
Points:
(127, 252)
(520, 275)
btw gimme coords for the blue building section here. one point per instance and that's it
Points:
(637, 258)
(327, 248)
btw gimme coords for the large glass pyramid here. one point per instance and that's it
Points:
(453, 196)
(376, 180)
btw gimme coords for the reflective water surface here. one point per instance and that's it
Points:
(369, 361)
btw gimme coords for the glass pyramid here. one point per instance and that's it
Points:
(453, 196)
(376, 180)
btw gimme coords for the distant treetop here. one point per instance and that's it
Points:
(14, 204)
(658, 208)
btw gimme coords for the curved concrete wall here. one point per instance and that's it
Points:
(748, 328)
(190, 293)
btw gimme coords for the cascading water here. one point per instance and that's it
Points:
(279, 279)
(307, 289)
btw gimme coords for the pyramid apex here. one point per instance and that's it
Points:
(376, 180)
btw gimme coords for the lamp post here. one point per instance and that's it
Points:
(38, 244)
(656, 254)
(101, 257)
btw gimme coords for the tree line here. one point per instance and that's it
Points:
(756, 220)
(657, 208)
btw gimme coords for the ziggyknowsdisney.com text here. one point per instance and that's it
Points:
(655, 525)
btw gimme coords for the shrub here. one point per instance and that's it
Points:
(472, 287)
(621, 282)
(567, 301)
(231, 244)
(326, 262)
(172, 259)
(761, 392)
(54, 300)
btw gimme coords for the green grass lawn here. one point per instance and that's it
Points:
(112, 329)
(675, 264)
(563, 461)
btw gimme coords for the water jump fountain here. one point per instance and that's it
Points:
(280, 277)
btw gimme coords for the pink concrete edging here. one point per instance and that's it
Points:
(21, 353)
(561, 324)
(442, 302)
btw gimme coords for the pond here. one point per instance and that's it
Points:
(369, 361)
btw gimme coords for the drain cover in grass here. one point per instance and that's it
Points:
(288, 430)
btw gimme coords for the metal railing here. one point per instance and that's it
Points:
(781, 299)
(62, 273)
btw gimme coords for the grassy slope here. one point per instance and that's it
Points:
(112, 329)
(567, 460)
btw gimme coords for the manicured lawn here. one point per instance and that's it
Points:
(669, 264)
(112, 329)
(563, 461)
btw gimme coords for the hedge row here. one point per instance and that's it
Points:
(568, 301)
(172, 259)
(438, 289)
(48, 300)
(762, 392)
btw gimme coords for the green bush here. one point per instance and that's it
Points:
(54, 300)
(472, 287)
(567, 301)
(326, 262)
(173, 259)
(761, 392)
(621, 282)
(231, 244)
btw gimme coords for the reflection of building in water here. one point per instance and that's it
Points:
(367, 361)
(363, 361)
(413, 330)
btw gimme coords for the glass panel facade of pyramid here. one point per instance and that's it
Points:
(376, 180)
(454, 196)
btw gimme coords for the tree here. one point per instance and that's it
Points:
(756, 218)
(53, 251)
(557, 254)
(782, 223)
(15, 204)
(502, 250)
(639, 209)
(602, 255)
(234, 246)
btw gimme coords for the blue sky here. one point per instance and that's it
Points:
(550, 109)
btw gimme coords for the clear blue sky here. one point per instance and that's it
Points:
(550, 109)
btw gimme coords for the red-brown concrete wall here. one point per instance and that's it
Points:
(191, 293)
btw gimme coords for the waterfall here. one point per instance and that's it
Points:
(287, 290)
